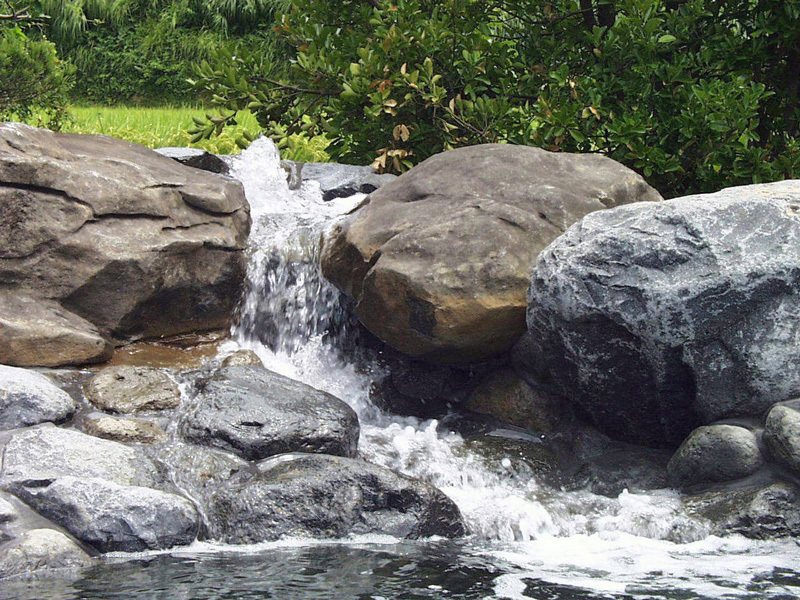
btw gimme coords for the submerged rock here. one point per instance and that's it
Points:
(44, 453)
(659, 317)
(322, 496)
(38, 550)
(715, 453)
(29, 398)
(114, 518)
(256, 413)
(439, 260)
(131, 389)
(119, 242)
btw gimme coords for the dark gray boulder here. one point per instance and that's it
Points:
(40, 550)
(29, 398)
(321, 496)
(44, 453)
(339, 181)
(782, 436)
(114, 518)
(715, 453)
(118, 241)
(197, 158)
(256, 413)
(439, 259)
(634, 469)
(659, 317)
(761, 512)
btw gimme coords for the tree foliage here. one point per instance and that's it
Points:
(694, 94)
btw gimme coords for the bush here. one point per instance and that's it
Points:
(694, 94)
(33, 81)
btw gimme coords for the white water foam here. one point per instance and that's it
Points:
(606, 545)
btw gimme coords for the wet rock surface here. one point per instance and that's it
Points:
(439, 260)
(339, 181)
(29, 398)
(118, 429)
(118, 241)
(659, 317)
(256, 413)
(715, 453)
(44, 453)
(111, 517)
(322, 496)
(39, 550)
(129, 389)
(782, 436)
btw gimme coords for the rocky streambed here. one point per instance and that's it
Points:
(530, 354)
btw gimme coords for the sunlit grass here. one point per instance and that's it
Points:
(156, 127)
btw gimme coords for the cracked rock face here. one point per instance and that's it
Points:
(439, 259)
(660, 317)
(107, 241)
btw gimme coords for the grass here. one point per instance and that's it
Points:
(155, 127)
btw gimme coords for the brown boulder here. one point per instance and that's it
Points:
(439, 259)
(115, 240)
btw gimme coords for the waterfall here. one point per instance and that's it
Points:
(300, 326)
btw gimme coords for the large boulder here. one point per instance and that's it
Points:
(256, 413)
(30, 398)
(660, 317)
(439, 259)
(321, 496)
(41, 454)
(116, 241)
(115, 518)
(41, 549)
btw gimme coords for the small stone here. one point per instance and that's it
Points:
(132, 389)
(124, 430)
(715, 453)
(40, 549)
(242, 358)
(7, 511)
(29, 398)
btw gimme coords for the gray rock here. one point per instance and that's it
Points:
(124, 430)
(114, 518)
(38, 332)
(129, 389)
(659, 317)
(439, 260)
(38, 550)
(242, 358)
(634, 469)
(29, 398)
(197, 158)
(44, 453)
(782, 436)
(121, 242)
(339, 181)
(505, 396)
(256, 413)
(715, 453)
(321, 496)
(7, 511)
(768, 512)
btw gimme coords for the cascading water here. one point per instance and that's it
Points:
(638, 544)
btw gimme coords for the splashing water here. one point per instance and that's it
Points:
(639, 544)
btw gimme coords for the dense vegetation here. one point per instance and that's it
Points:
(694, 94)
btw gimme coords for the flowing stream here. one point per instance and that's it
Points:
(527, 539)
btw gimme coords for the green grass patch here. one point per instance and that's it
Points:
(156, 127)
(168, 126)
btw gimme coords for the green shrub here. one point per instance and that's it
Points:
(694, 94)
(33, 81)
